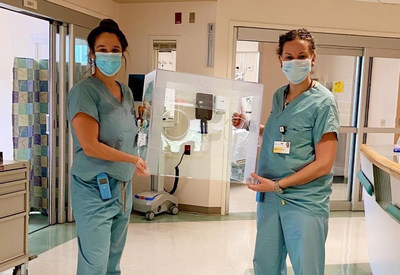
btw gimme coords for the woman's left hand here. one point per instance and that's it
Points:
(263, 185)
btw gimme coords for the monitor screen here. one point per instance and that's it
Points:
(136, 82)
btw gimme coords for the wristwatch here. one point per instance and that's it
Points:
(277, 188)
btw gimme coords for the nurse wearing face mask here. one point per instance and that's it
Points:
(294, 168)
(101, 112)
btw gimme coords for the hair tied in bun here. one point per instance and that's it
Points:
(109, 23)
(110, 26)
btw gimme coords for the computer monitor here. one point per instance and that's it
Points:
(135, 83)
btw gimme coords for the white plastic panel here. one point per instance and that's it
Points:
(185, 109)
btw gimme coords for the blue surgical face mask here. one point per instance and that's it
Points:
(108, 63)
(296, 70)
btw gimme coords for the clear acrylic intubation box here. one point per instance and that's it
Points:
(195, 112)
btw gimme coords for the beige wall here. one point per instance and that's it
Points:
(142, 22)
(339, 16)
(270, 75)
(97, 8)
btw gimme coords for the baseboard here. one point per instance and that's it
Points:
(199, 209)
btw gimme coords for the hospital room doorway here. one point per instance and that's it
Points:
(337, 69)
(44, 54)
(242, 199)
(355, 69)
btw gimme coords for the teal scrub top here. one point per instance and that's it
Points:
(117, 127)
(307, 118)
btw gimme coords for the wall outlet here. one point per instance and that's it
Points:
(383, 122)
(187, 149)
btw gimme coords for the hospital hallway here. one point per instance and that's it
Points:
(197, 244)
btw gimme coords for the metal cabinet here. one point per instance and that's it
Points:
(14, 214)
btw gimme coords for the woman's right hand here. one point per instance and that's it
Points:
(141, 168)
(239, 121)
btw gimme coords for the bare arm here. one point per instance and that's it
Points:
(87, 131)
(325, 152)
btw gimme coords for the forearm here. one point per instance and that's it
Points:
(103, 151)
(309, 173)
(261, 131)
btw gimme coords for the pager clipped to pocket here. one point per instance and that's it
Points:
(104, 186)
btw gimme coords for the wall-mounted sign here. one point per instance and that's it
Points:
(338, 87)
(32, 4)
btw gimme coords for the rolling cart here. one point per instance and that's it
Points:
(14, 215)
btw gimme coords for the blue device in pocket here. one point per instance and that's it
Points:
(260, 196)
(104, 186)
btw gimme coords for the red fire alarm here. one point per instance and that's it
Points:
(178, 18)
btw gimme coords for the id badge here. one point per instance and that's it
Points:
(281, 147)
(142, 139)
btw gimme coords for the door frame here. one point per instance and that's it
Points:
(74, 32)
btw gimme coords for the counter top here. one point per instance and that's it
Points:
(380, 177)
(383, 157)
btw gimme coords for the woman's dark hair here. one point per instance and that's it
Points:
(110, 26)
(302, 34)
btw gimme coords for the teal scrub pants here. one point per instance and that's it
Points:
(101, 225)
(282, 229)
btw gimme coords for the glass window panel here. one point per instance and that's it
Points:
(383, 108)
(82, 67)
(342, 167)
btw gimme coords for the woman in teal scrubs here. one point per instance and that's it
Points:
(294, 169)
(101, 113)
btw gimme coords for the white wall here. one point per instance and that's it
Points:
(96, 8)
(143, 22)
(339, 16)
(18, 40)
(247, 61)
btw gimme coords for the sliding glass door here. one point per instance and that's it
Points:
(78, 68)
(339, 69)
(24, 91)
(42, 60)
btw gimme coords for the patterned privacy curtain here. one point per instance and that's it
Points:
(30, 106)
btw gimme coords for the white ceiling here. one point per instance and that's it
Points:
(396, 2)
(159, 1)
(163, 1)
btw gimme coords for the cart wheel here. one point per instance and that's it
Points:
(174, 210)
(149, 215)
(17, 270)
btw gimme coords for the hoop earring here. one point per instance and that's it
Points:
(92, 64)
